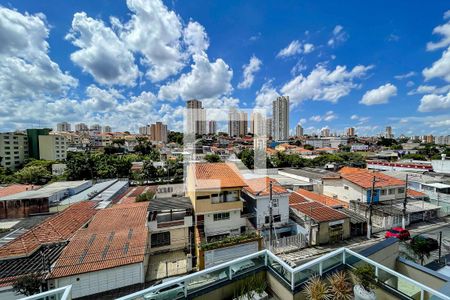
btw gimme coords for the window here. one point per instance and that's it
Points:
(391, 191)
(222, 216)
(160, 239)
(345, 187)
(202, 197)
(275, 202)
(266, 220)
(276, 218)
(401, 190)
(383, 192)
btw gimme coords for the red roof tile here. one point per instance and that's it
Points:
(116, 236)
(58, 228)
(260, 186)
(364, 178)
(215, 175)
(413, 193)
(16, 188)
(318, 212)
(329, 201)
(295, 198)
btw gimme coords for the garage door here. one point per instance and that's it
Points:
(219, 256)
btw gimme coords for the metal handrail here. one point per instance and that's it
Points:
(65, 290)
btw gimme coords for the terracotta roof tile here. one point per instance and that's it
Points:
(363, 178)
(116, 236)
(16, 188)
(260, 186)
(58, 228)
(295, 198)
(318, 212)
(215, 175)
(329, 201)
(413, 193)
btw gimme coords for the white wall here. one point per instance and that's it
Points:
(224, 226)
(104, 280)
(262, 208)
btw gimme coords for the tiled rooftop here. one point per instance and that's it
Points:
(318, 212)
(57, 228)
(413, 193)
(16, 188)
(260, 186)
(216, 175)
(363, 178)
(116, 236)
(329, 201)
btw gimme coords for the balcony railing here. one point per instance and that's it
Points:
(63, 293)
(292, 277)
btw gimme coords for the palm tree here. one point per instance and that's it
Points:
(317, 289)
(420, 247)
(340, 286)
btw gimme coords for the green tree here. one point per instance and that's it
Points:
(28, 285)
(415, 156)
(420, 248)
(149, 171)
(33, 175)
(247, 158)
(147, 196)
(175, 137)
(212, 158)
(308, 147)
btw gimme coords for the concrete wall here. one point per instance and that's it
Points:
(23, 208)
(234, 224)
(324, 231)
(179, 239)
(100, 281)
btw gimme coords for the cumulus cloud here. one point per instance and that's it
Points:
(444, 32)
(195, 38)
(338, 36)
(430, 89)
(250, 69)
(434, 102)
(102, 54)
(360, 119)
(379, 95)
(405, 76)
(266, 95)
(323, 84)
(205, 80)
(308, 48)
(26, 70)
(155, 32)
(440, 68)
(327, 117)
(294, 48)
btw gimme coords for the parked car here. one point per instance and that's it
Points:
(174, 291)
(398, 232)
(242, 266)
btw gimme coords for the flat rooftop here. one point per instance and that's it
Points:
(313, 173)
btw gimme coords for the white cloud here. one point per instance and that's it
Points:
(440, 68)
(327, 117)
(101, 99)
(434, 102)
(195, 38)
(430, 89)
(250, 69)
(405, 76)
(298, 68)
(444, 31)
(26, 70)
(338, 36)
(447, 15)
(265, 96)
(379, 95)
(292, 49)
(102, 54)
(155, 32)
(360, 119)
(323, 84)
(308, 48)
(410, 83)
(205, 80)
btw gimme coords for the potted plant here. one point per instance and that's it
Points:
(366, 282)
(317, 289)
(340, 286)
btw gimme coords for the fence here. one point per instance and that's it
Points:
(287, 244)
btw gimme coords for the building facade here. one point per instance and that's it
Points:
(52, 147)
(195, 118)
(237, 123)
(212, 127)
(158, 132)
(33, 141)
(13, 149)
(281, 118)
(299, 130)
(81, 127)
(63, 126)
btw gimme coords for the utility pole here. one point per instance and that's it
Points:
(270, 215)
(405, 200)
(369, 224)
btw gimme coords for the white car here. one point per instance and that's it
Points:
(173, 291)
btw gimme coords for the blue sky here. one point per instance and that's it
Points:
(127, 63)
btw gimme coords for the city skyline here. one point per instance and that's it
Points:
(113, 74)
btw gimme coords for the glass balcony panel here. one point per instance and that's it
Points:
(204, 280)
(331, 263)
(247, 266)
(279, 269)
(353, 261)
(304, 275)
(408, 288)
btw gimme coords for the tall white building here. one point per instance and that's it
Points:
(145, 130)
(106, 129)
(299, 130)
(96, 128)
(212, 127)
(81, 127)
(63, 126)
(13, 149)
(325, 132)
(237, 123)
(258, 126)
(269, 129)
(388, 133)
(52, 147)
(195, 117)
(281, 118)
